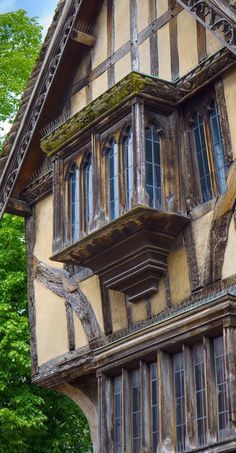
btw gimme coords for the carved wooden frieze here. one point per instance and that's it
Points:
(163, 92)
(11, 170)
(215, 16)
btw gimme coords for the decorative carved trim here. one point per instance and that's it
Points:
(170, 93)
(11, 170)
(38, 189)
(215, 17)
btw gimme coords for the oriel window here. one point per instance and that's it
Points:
(88, 170)
(211, 162)
(219, 157)
(74, 202)
(202, 158)
(113, 180)
(128, 167)
(153, 167)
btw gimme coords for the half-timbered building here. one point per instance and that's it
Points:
(122, 159)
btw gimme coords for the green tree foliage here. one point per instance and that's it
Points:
(32, 420)
(20, 41)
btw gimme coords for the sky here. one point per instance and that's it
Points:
(43, 9)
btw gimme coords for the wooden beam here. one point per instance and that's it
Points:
(18, 207)
(83, 38)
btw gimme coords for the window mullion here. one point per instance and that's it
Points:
(126, 412)
(139, 189)
(145, 408)
(230, 370)
(190, 409)
(167, 411)
(211, 397)
(210, 156)
(105, 398)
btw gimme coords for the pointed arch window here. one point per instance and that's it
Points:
(153, 167)
(217, 142)
(74, 202)
(128, 167)
(88, 189)
(202, 158)
(113, 180)
(211, 162)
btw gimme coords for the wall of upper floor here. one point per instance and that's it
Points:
(154, 37)
(186, 256)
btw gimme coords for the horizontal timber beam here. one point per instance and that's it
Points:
(18, 207)
(83, 38)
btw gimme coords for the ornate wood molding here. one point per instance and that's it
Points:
(216, 16)
(37, 189)
(134, 84)
(14, 163)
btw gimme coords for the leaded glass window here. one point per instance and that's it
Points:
(113, 180)
(221, 387)
(200, 393)
(153, 167)
(74, 202)
(128, 161)
(88, 169)
(154, 406)
(219, 158)
(202, 158)
(178, 366)
(136, 411)
(117, 415)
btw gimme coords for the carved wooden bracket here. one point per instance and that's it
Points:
(130, 253)
(58, 281)
(216, 16)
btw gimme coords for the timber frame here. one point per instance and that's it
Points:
(142, 282)
(205, 72)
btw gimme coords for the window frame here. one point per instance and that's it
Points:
(160, 360)
(204, 110)
(159, 131)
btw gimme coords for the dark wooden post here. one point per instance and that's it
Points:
(230, 369)
(105, 398)
(145, 408)
(59, 208)
(189, 399)
(167, 432)
(211, 408)
(140, 196)
(126, 413)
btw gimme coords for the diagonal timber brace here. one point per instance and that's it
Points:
(54, 279)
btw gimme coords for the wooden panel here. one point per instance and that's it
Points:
(166, 402)
(164, 57)
(122, 28)
(210, 392)
(189, 399)
(99, 51)
(187, 42)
